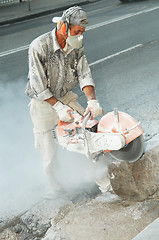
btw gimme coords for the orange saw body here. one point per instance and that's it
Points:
(116, 133)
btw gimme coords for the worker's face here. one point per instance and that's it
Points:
(75, 38)
(76, 30)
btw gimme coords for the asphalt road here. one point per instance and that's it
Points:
(121, 44)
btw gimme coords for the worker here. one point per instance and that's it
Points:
(57, 63)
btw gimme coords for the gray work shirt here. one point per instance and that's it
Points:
(53, 72)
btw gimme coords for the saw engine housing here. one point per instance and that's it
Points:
(112, 133)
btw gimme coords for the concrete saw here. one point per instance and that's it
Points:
(116, 133)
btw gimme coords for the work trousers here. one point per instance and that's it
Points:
(44, 118)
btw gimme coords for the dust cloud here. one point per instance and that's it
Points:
(80, 173)
(21, 167)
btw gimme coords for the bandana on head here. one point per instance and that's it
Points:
(74, 16)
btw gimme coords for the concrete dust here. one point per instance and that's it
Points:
(21, 177)
(75, 171)
(21, 168)
(21, 171)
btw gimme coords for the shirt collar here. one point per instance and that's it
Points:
(56, 45)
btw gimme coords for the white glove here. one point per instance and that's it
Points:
(94, 107)
(63, 111)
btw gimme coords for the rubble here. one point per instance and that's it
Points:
(105, 217)
(136, 181)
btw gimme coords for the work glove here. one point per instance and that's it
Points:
(94, 107)
(63, 111)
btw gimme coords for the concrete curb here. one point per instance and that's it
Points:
(46, 12)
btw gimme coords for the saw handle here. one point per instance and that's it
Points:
(79, 118)
(85, 120)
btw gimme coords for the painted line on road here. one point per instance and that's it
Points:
(2, 54)
(121, 18)
(115, 54)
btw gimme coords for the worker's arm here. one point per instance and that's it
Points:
(52, 100)
(89, 92)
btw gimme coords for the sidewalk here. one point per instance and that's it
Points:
(15, 11)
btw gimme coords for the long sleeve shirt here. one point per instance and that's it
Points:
(53, 72)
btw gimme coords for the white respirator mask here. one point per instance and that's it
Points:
(75, 41)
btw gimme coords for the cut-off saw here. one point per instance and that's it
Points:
(116, 133)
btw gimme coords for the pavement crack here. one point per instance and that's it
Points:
(149, 136)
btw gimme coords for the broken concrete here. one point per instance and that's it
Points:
(34, 223)
(105, 217)
(136, 181)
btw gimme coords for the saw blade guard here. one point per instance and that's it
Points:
(132, 152)
(120, 122)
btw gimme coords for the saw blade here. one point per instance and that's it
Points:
(131, 152)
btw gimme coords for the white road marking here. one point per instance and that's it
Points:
(115, 54)
(2, 54)
(121, 18)
(15, 50)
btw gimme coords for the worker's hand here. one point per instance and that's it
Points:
(94, 107)
(63, 111)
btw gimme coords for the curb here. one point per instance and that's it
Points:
(43, 13)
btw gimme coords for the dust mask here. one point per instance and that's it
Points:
(75, 41)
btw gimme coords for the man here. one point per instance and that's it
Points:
(57, 63)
